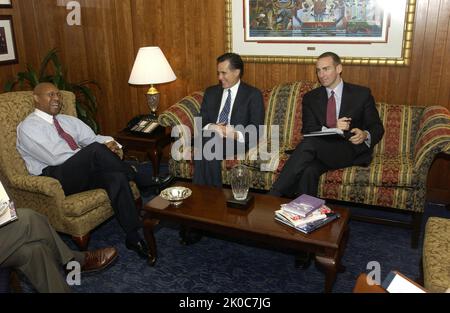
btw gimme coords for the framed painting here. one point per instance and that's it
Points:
(8, 54)
(5, 4)
(377, 32)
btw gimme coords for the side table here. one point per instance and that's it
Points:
(149, 144)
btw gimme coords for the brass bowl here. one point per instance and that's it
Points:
(176, 195)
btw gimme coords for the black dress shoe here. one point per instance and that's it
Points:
(157, 184)
(166, 181)
(139, 247)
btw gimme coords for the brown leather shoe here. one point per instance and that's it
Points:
(98, 260)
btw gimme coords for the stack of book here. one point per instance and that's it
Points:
(305, 213)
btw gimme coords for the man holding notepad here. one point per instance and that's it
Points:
(338, 105)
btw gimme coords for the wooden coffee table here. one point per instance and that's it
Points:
(206, 209)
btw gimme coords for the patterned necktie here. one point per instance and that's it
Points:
(331, 111)
(223, 117)
(69, 139)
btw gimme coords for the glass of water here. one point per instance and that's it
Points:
(240, 181)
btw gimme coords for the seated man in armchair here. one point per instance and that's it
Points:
(63, 147)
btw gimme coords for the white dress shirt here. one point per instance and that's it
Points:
(338, 98)
(234, 91)
(40, 145)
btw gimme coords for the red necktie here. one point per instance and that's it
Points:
(69, 139)
(331, 111)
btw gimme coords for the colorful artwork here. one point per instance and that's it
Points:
(315, 21)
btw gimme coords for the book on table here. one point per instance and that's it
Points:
(7, 208)
(307, 224)
(303, 205)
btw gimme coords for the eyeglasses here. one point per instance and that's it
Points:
(52, 94)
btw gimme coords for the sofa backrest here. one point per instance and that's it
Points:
(283, 105)
(14, 108)
(401, 123)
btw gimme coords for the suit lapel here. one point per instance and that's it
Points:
(241, 93)
(217, 101)
(322, 105)
(345, 104)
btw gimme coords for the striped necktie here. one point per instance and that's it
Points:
(223, 117)
(69, 139)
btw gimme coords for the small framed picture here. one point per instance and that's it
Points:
(8, 54)
(5, 4)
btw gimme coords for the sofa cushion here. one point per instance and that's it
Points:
(383, 172)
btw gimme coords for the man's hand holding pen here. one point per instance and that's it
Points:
(343, 123)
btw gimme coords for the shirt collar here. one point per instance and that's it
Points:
(337, 90)
(45, 116)
(235, 88)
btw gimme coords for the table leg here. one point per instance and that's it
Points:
(330, 262)
(329, 266)
(149, 225)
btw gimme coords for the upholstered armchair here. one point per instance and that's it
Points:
(75, 215)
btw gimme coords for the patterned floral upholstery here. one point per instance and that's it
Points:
(436, 254)
(75, 215)
(397, 175)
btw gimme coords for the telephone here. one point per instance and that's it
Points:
(143, 124)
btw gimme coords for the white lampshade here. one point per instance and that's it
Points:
(151, 67)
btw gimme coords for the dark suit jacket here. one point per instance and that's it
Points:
(248, 108)
(357, 103)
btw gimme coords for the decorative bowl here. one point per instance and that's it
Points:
(176, 195)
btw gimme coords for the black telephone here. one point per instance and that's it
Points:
(143, 124)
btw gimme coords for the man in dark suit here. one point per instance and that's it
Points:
(335, 104)
(227, 109)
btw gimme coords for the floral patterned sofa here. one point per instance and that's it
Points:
(396, 177)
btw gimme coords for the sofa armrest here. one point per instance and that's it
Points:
(182, 112)
(38, 184)
(433, 135)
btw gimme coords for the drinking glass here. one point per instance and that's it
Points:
(240, 181)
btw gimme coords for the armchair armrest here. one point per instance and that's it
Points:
(433, 135)
(182, 112)
(38, 184)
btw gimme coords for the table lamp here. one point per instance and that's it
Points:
(151, 67)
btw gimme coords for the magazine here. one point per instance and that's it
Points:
(296, 220)
(312, 226)
(303, 205)
(7, 208)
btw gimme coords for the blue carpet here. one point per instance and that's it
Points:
(220, 265)
(217, 264)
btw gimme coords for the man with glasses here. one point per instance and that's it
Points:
(65, 148)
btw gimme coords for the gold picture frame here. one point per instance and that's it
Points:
(392, 49)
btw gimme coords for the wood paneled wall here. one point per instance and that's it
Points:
(191, 35)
